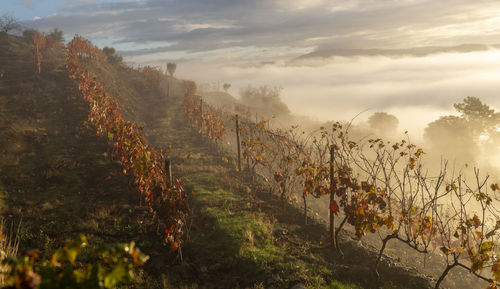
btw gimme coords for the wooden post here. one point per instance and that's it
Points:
(201, 115)
(168, 87)
(168, 168)
(332, 199)
(238, 142)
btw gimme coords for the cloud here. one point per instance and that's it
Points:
(417, 52)
(27, 3)
(200, 25)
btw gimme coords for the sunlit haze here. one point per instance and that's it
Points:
(415, 89)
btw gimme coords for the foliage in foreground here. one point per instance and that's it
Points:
(114, 266)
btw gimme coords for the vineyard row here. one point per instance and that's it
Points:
(166, 198)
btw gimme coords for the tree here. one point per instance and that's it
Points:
(111, 55)
(382, 122)
(39, 43)
(452, 134)
(480, 117)
(171, 67)
(9, 23)
(29, 33)
(265, 99)
(462, 135)
(57, 35)
(226, 86)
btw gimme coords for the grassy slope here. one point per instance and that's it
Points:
(55, 175)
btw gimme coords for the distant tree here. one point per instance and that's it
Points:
(384, 123)
(111, 55)
(9, 23)
(57, 34)
(29, 33)
(480, 117)
(38, 45)
(262, 93)
(452, 135)
(171, 67)
(226, 86)
(265, 99)
(461, 136)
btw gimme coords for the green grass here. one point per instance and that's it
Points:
(233, 245)
(338, 285)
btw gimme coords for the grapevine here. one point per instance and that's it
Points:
(167, 201)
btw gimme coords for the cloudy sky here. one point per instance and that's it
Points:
(255, 42)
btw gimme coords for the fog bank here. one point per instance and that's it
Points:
(416, 89)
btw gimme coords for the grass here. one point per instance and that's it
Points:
(338, 285)
(234, 246)
(53, 170)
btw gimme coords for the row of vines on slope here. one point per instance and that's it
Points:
(375, 186)
(207, 119)
(165, 198)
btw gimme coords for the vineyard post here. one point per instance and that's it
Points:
(332, 200)
(238, 142)
(201, 115)
(168, 87)
(168, 167)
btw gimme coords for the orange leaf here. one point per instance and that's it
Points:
(174, 246)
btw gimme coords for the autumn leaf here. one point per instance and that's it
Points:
(475, 221)
(334, 207)
(174, 246)
(486, 246)
(412, 163)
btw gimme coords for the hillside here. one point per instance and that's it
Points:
(58, 179)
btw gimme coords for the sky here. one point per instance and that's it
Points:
(257, 42)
